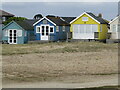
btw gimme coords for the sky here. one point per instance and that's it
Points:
(109, 10)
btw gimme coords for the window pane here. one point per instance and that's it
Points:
(57, 28)
(82, 29)
(88, 28)
(114, 28)
(51, 29)
(75, 27)
(10, 40)
(47, 27)
(44, 21)
(38, 29)
(118, 27)
(84, 18)
(94, 28)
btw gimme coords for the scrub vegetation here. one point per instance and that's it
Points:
(61, 47)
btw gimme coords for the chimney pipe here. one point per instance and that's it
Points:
(100, 15)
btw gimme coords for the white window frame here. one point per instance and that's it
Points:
(45, 21)
(96, 29)
(12, 35)
(84, 18)
(51, 27)
(37, 29)
(19, 33)
(57, 28)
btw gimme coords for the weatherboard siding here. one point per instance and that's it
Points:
(103, 33)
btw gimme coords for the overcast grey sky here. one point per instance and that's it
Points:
(29, 9)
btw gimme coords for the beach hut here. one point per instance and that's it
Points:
(18, 32)
(51, 28)
(89, 26)
(115, 28)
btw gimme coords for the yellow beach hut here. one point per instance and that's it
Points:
(89, 26)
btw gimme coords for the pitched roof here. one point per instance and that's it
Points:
(94, 17)
(68, 19)
(27, 24)
(31, 21)
(101, 20)
(58, 21)
(4, 13)
(118, 17)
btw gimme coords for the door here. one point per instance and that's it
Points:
(12, 37)
(44, 32)
(84, 31)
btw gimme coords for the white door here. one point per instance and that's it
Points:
(12, 37)
(44, 32)
(84, 31)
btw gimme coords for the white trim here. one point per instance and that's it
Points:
(45, 37)
(12, 36)
(82, 15)
(113, 20)
(37, 28)
(83, 19)
(42, 19)
(51, 27)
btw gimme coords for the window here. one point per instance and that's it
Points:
(88, 28)
(96, 35)
(51, 29)
(82, 28)
(19, 33)
(84, 18)
(75, 27)
(118, 28)
(47, 30)
(38, 29)
(114, 28)
(63, 28)
(57, 28)
(44, 21)
(94, 28)
(42, 30)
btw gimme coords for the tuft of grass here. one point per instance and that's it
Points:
(55, 47)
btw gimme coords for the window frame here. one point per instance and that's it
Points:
(83, 19)
(37, 29)
(45, 21)
(57, 28)
(51, 27)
